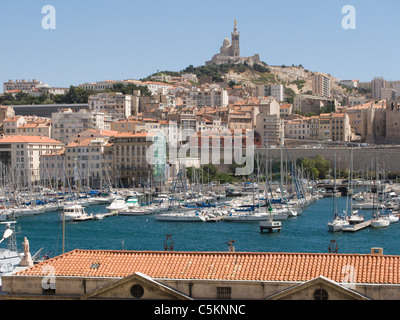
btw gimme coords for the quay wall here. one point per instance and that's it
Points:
(364, 158)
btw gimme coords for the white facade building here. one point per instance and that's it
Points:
(273, 90)
(21, 154)
(67, 123)
(114, 104)
(206, 98)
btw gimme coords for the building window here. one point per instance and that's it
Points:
(224, 292)
(320, 294)
(137, 291)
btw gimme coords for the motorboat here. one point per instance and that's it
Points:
(118, 204)
(74, 212)
(255, 216)
(133, 208)
(192, 216)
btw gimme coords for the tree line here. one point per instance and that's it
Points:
(73, 96)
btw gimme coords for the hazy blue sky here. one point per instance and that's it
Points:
(97, 40)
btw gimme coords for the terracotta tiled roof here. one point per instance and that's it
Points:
(27, 139)
(377, 269)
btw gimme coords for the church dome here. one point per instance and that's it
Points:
(226, 42)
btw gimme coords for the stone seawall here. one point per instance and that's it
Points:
(388, 157)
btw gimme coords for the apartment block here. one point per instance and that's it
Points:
(130, 166)
(115, 104)
(21, 154)
(270, 128)
(67, 123)
(387, 93)
(395, 85)
(377, 84)
(11, 124)
(298, 129)
(321, 85)
(206, 98)
(273, 90)
(84, 162)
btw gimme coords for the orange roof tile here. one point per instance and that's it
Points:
(262, 266)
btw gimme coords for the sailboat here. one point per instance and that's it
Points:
(9, 257)
(338, 220)
(354, 216)
(378, 220)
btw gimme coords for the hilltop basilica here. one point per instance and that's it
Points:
(230, 52)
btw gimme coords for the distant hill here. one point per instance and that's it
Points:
(295, 78)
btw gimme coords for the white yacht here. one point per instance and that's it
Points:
(74, 212)
(118, 204)
(133, 208)
(242, 216)
(192, 216)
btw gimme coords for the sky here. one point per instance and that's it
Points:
(97, 40)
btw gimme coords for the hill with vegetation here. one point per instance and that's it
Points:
(296, 79)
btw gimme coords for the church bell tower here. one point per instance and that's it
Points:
(235, 51)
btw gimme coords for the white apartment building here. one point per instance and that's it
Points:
(114, 104)
(206, 98)
(156, 87)
(67, 123)
(21, 154)
(274, 90)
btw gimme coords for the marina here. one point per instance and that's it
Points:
(303, 233)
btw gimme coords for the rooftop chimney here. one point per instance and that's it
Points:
(377, 251)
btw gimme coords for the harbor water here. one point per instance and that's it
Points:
(304, 233)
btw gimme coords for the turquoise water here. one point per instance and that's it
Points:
(304, 233)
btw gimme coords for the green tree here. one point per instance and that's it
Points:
(322, 166)
(289, 95)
